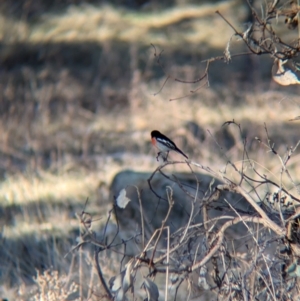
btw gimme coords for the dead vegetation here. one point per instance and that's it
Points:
(241, 245)
(78, 105)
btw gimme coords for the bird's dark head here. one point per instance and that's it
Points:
(155, 133)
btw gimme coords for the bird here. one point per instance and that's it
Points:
(164, 144)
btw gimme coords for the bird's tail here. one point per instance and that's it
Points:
(181, 152)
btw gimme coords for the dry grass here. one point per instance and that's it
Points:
(24, 189)
(78, 107)
(106, 22)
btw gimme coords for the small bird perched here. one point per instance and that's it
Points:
(164, 144)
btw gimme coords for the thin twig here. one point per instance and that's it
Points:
(220, 235)
(171, 203)
(100, 275)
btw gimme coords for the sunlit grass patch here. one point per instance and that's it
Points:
(103, 23)
(56, 227)
(23, 189)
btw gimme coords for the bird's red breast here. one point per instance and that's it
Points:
(153, 141)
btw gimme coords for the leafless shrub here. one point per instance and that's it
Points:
(261, 37)
(243, 254)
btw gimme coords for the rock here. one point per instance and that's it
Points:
(155, 205)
